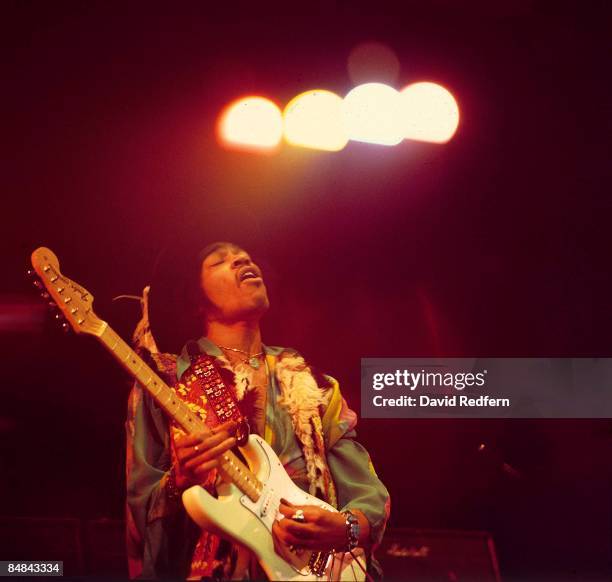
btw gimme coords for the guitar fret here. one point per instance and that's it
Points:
(237, 471)
(43, 261)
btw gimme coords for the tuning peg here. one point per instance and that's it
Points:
(59, 316)
(52, 305)
(37, 284)
(31, 273)
(65, 327)
(45, 295)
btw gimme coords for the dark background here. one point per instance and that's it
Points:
(495, 244)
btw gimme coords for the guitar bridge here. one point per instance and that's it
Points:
(317, 563)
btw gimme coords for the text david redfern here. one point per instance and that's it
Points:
(441, 402)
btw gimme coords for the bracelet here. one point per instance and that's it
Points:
(352, 530)
(172, 491)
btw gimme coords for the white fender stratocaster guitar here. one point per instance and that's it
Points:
(249, 497)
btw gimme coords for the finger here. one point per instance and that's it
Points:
(311, 513)
(283, 537)
(190, 452)
(301, 531)
(291, 540)
(287, 510)
(287, 503)
(280, 547)
(189, 440)
(209, 454)
(194, 438)
(203, 469)
(229, 426)
(277, 533)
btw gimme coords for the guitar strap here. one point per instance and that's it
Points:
(212, 557)
(204, 377)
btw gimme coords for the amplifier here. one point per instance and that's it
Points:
(430, 555)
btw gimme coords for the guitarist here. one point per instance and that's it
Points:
(302, 415)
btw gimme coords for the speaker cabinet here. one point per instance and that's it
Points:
(428, 555)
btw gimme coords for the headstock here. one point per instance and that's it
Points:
(74, 302)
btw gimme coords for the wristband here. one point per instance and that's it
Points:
(172, 491)
(352, 530)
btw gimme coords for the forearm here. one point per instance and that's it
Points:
(359, 489)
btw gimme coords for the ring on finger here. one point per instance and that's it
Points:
(298, 516)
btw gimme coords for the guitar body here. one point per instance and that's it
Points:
(234, 515)
(247, 505)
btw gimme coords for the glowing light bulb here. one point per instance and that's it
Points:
(429, 112)
(251, 123)
(371, 114)
(313, 119)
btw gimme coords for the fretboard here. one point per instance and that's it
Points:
(231, 467)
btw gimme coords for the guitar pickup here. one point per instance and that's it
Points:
(265, 504)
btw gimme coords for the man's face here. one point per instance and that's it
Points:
(233, 285)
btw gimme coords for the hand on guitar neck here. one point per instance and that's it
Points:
(245, 506)
(197, 454)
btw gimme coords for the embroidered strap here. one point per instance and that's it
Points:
(204, 375)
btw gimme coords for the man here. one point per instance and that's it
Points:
(303, 417)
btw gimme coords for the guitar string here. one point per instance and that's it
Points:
(180, 407)
(331, 570)
(356, 559)
(341, 563)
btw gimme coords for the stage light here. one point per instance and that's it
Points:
(371, 113)
(251, 123)
(314, 120)
(429, 113)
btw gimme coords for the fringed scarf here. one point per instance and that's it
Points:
(300, 396)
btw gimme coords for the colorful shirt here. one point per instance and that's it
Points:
(300, 406)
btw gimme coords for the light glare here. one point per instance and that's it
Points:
(429, 113)
(313, 119)
(253, 123)
(371, 62)
(371, 113)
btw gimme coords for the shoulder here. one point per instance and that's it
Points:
(301, 386)
(291, 360)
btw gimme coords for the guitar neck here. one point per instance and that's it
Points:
(232, 468)
(150, 381)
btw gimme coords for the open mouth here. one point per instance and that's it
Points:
(249, 274)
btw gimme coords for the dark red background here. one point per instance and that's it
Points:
(495, 244)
